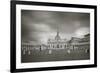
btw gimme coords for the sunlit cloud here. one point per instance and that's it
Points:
(82, 31)
(42, 27)
(45, 36)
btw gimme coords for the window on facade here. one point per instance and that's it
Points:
(58, 46)
(53, 46)
(65, 46)
(61, 46)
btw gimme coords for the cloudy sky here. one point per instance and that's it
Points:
(39, 26)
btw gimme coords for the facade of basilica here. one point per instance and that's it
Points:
(57, 43)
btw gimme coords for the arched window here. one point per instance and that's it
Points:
(60, 46)
(65, 46)
(57, 45)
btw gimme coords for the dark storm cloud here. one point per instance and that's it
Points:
(39, 22)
